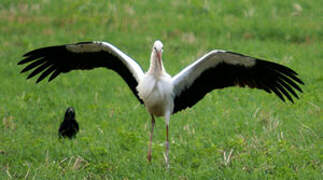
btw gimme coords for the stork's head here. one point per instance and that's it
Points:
(158, 49)
(156, 64)
(158, 45)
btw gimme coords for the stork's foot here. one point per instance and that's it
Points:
(166, 155)
(151, 138)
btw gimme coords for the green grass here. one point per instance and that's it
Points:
(268, 139)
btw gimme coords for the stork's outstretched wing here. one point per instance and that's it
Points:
(219, 69)
(54, 60)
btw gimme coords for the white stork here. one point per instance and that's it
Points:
(162, 94)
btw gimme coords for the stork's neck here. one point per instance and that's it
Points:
(156, 64)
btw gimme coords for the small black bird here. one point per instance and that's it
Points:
(69, 127)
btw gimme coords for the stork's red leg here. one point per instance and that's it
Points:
(151, 137)
(167, 116)
(167, 147)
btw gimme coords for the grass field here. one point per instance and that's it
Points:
(268, 139)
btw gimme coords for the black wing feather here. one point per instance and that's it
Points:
(54, 75)
(46, 73)
(33, 65)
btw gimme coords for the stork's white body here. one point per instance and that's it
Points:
(156, 87)
(157, 93)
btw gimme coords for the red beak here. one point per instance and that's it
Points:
(159, 57)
